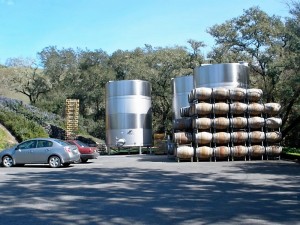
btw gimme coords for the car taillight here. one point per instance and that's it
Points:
(67, 149)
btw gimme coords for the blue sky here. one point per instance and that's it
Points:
(28, 26)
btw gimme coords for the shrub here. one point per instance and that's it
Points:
(3, 141)
(291, 150)
(21, 127)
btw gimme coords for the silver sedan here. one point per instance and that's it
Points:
(50, 151)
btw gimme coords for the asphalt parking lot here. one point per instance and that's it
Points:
(152, 189)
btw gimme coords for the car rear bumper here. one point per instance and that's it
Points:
(89, 156)
(71, 159)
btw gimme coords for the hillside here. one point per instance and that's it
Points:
(25, 121)
(5, 73)
(6, 138)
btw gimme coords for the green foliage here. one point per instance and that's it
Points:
(291, 150)
(165, 64)
(3, 140)
(255, 37)
(95, 128)
(29, 119)
(271, 47)
(269, 44)
(21, 127)
(83, 74)
(30, 112)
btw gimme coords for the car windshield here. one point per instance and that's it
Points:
(81, 144)
(63, 143)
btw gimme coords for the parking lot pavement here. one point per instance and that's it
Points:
(152, 189)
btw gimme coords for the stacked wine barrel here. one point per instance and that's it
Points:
(183, 137)
(227, 123)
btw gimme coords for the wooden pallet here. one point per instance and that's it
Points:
(72, 116)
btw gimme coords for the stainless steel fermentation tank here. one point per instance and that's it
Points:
(181, 87)
(128, 113)
(226, 75)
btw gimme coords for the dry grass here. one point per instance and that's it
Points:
(11, 94)
(6, 139)
(5, 90)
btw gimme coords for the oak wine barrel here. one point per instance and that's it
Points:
(237, 94)
(220, 93)
(202, 123)
(273, 122)
(273, 150)
(222, 151)
(203, 137)
(239, 151)
(256, 122)
(256, 150)
(202, 93)
(204, 152)
(256, 136)
(184, 152)
(221, 123)
(239, 137)
(238, 122)
(202, 108)
(221, 137)
(255, 109)
(183, 137)
(220, 108)
(254, 95)
(237, 108)
(272, 109)
(274, 136)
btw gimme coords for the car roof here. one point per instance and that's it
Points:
(44, 139)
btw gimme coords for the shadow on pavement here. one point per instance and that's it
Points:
(141, 196)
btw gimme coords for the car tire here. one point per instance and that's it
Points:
(78, 161)
(84, 160)
(7, 161)
(54, 161)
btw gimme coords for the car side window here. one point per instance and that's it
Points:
(44, 144)
(28, 144)
(49, 144)
(71, 143)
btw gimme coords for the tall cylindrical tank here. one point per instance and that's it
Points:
(128, 113)
(181, 87)
(226, 75)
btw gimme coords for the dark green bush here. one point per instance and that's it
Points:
(291, 150)
(21, 127)
(40, 118)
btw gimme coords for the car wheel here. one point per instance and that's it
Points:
(84, 160)
(78, 161)
(7, 161)
(66, 164)
(54, 161)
